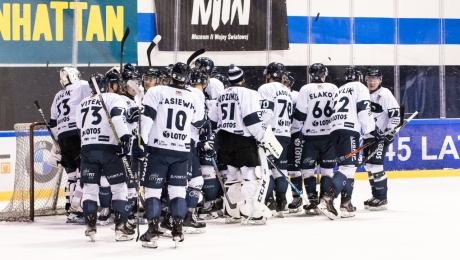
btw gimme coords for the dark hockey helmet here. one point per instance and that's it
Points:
(166, 71)
(113, 75)
(180, 72)
(102, 82)
(352, 74)
(198, 77)
(129, 75)
(151, 72)
(222, 79)
(275, 69)
(130, 67)
(288, 79)
(214, 72)
(317, 71)
(374, 73)
(206, 63)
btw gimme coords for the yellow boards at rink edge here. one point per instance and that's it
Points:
(38, 32)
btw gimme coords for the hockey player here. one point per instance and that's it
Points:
(64, 129)
(101, 155)
(169, 112)
(223, 79)
(351, 114)
(150, 78)
(385, 110)
(239, 120)
(278, 97)
(312, 117)
(294, 149)
(114, 80)
(215, 87)
(165, 75)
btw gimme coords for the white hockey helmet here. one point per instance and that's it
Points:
(69, 75)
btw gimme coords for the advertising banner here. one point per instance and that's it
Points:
(41, 32)
(221, 25)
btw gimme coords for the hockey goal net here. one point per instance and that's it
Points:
(40, 193)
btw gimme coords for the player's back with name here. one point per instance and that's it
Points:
(237, 110)
(65, 105)
(282, 104)
(95, 129)
(316, 100)
(352, 108)
(170, 112)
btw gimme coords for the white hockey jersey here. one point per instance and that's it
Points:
(279, 98)
(214, 89)
(294, 97)
(385, 109)
(201, 99)
(238, 112)
(93, 123)
(313, 110)
(352, 108)
(64, 107)
(169, 112)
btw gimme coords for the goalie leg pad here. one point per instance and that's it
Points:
(233, 192)
(253, 192)
(75, 201)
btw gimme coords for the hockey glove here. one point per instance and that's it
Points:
(206, 148)
(139, 152)
(205, 131)
(378, 135)
(389, 138)
(124, 146)
(132, 115)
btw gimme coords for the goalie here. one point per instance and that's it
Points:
(240, 127)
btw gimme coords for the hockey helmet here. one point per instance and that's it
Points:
(113, 75)
(206, 63)
(198, 77)
(374, 73)
(102, 82)
(180, 72)
(352, 74)
(69, 75)
(130, 67)
(153, 73)
(214, 72)
(317, 71)
(222, 79)
(288, 79)
(275, 69)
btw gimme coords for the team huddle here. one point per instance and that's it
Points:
(145, 149)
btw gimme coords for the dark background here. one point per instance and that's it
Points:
(21, 86)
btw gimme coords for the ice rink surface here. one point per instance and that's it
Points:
(421, 223)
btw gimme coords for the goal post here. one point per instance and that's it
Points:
(38, 187)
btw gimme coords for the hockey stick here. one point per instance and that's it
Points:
(152, 45)
(194, 55)
(109, 118)
(58, 151)
(122, 46)
(219, 177)
(47, 126)
(397, 129)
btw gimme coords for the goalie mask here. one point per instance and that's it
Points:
(317, 71)
(69, 75)
(102, 82)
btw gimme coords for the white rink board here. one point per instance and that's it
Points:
(411, 229)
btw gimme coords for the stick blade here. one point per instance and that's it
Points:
(152, 45)
(194, 55)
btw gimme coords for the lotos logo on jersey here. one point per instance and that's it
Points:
(175, 136)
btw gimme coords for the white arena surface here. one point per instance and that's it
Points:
(421, 223)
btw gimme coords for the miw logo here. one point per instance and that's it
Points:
(220, 10)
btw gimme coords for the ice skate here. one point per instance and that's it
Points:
(177, 234)
(326, 207)
(281, 204)
(166, 225)
(122, 231)
(295, 205)
(253, 221)
(75, 216)
(104, 217)
(150, 237)
(208, 211)
(191, 225)
(346, 208)
(366, 202)
(91, 226)
(312, 207)
(377, 205)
